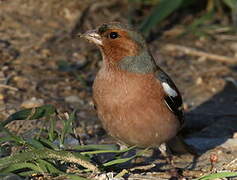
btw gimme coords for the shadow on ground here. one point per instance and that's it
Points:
(214, 122)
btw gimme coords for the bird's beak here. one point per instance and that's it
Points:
(92, 36)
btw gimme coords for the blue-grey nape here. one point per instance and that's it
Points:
(143, 63)
(138, 38)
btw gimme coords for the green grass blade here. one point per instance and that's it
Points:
(195, 29)
(118, 161)
(163, 9)
(123, 160)
(67, 127)
(48, 143)
(40, 167)
(107, 151)
(96, 147)
(16, 139)
(52, 127)
(10, 176)
(218, 175)
(31, 143)
(5, 139)
(28, 173)
(23, 165)
(75, 177)
(48, 167)
(231, 3)
(34, 143)
(206, 17)
(45, 153)
(63, 175)
(31, 114)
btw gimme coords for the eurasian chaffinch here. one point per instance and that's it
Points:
(136, 100)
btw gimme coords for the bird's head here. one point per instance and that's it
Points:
(121, 46)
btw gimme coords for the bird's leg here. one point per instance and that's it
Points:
(166, 153)
(122, 146)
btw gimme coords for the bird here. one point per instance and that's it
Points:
(136, 101)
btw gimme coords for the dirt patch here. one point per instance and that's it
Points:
(41, 62)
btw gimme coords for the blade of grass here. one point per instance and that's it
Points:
(195, 26)
(30, 114)
(19, 140)
(206, 17)
(63, 175)
(23, 165)
(231, 3)
(74, 177)
(5, 139)
(67, 127)
(34, 143)
(108, 151)
(48, 167)
(96, 147)
(163, 9)
(51, 131)
(218, 175)
(28, 173)
(48, 154)
(16, 139)
(48, 143)
(123, 160)
(41, 167)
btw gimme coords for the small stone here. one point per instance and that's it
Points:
(213, 89)
(233, 46)
(199, 81)
(202, 59)
(185, 106)
(11, 177)
(22, 82)
(46, 53)
(33, 102)
(1, 97)
(74, 99)
(4, 68)
(235, 135)
(230, 144)
(107, 176)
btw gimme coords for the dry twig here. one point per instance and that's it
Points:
(8, 87)
(194, 52)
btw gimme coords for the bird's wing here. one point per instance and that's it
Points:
(173, 98)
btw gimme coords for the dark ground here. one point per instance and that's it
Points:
(41, 63)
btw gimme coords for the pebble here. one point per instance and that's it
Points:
(22, 82)
(74, 99)
(11, 177)
(1, 97)
(235, 135)
(199, 81)
(33, 102)
(107, 176)
(230, 144)
(233, 47)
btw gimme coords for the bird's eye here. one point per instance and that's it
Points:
(113, 35)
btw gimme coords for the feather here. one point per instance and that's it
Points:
(173, 98)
